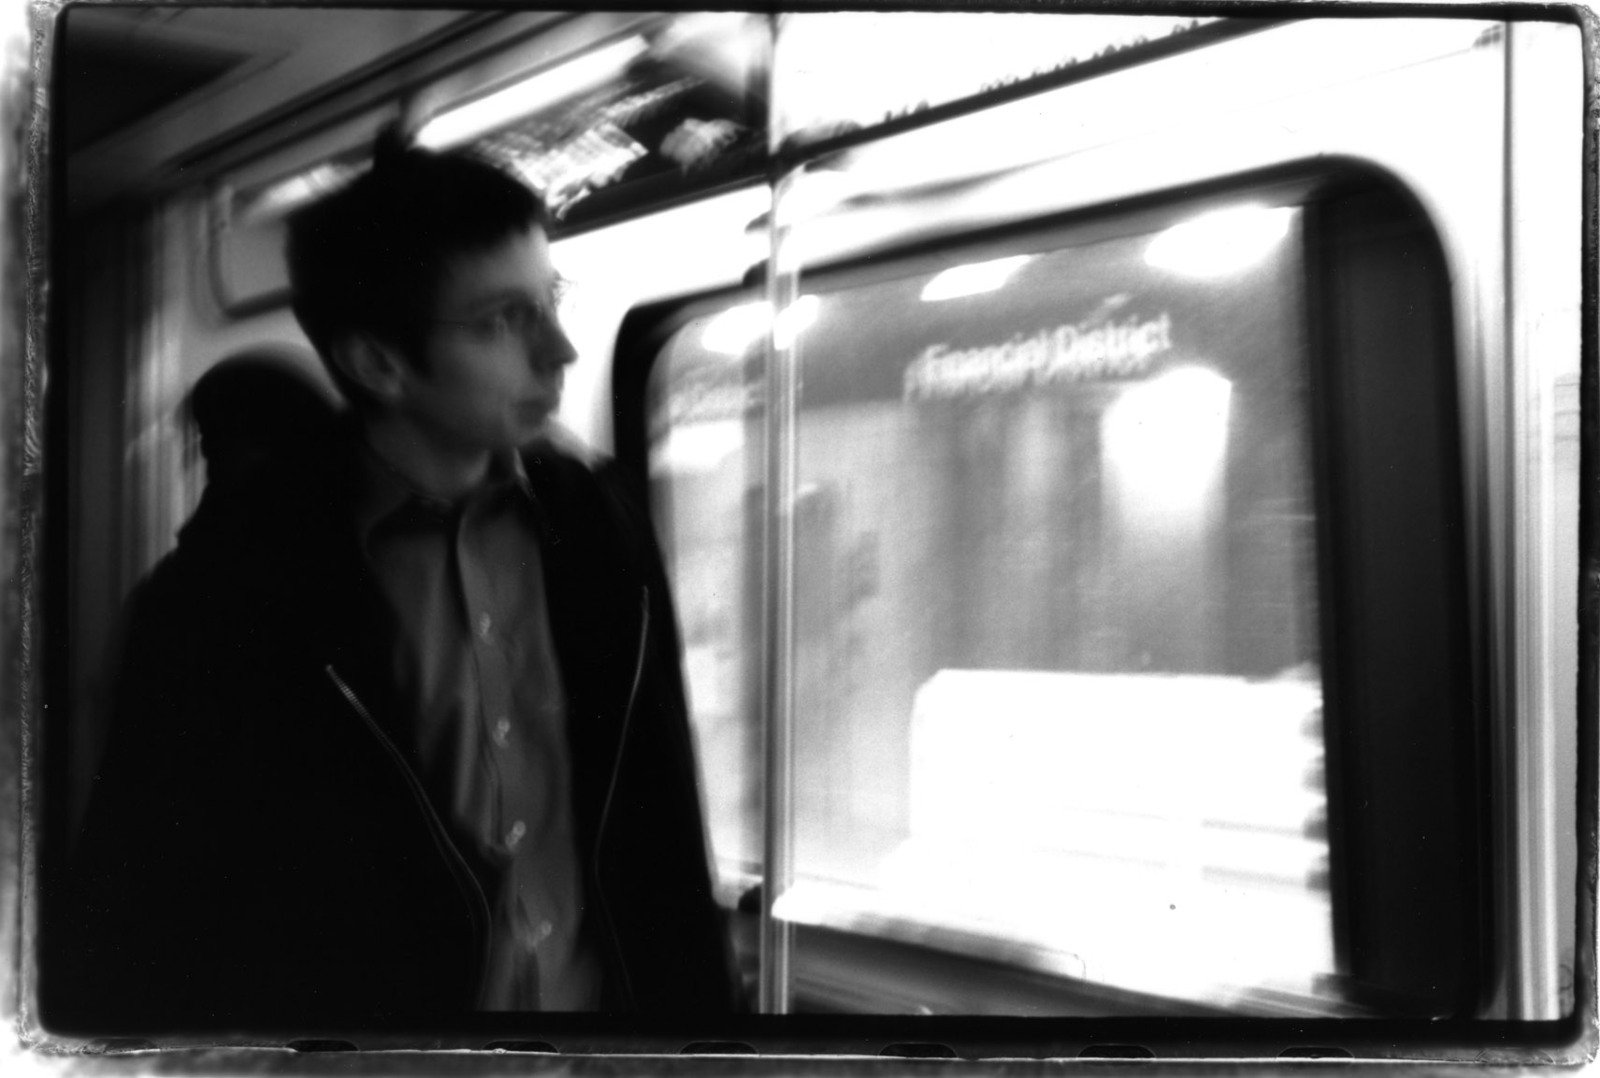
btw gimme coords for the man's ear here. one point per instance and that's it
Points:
(374, 366)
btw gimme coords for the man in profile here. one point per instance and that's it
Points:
(408, 738)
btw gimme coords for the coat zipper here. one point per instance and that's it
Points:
(465, 881)
(611, 790)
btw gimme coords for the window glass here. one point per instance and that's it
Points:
(1058, 698)
(705, 470)
(1058, 701)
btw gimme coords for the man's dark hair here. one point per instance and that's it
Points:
(369, 257)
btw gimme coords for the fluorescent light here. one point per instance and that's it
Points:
(523, 98)
(973, 279)
(1220, 243)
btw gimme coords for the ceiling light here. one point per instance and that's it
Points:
(529, 95)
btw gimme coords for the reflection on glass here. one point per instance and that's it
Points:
(1057, 694)
(972, 279)
(736, 330)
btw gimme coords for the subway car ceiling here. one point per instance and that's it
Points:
(1144, 390)
(142, 88)
(216, 86)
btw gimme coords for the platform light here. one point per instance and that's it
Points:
(736, 329)
(1165, 440)
(1220, 243)
(529, 95)
(973, 279)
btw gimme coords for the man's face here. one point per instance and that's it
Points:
(493, 353)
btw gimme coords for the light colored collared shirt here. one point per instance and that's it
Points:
(477, 662)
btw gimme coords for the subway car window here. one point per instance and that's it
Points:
(1057, 659)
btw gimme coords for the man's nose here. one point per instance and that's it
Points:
(551, 350)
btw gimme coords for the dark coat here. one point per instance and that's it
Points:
(259, 849)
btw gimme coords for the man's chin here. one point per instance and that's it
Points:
(532, 423)
(554, 434)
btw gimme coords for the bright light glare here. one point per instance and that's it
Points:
(732, 331)
(973, 279)
(529, 95)
(813, 194)
(697, 448)
(1165, 438)
(1150, 825)
(1220, 243)
(793, 320)
(736, 329)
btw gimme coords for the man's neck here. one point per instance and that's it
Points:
(441, 472)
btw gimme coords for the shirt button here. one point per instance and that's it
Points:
(502, 732)
(532, 935)
(514, 836)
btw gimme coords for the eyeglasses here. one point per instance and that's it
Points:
(515, 319)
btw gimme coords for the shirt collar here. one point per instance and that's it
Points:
(383, 491)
